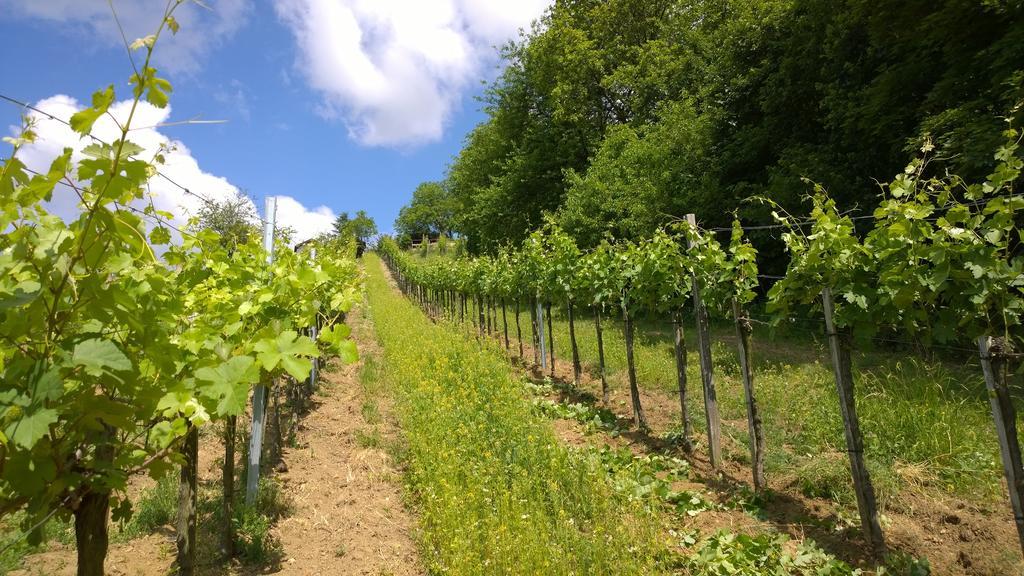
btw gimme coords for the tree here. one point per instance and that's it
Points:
(234, 219)
(622, 114)
(362, 226)
(431, 211)
(341, 224)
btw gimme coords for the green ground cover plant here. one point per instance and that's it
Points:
(496, 492)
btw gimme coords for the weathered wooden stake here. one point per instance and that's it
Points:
(551, 340)
(488, 306)
(538, 326)
(504, 324)
(994, 352)
(600, 355)
(575, 349)
(634, 391)
(842, 365)
(227, 544)
(519, 331)
(480, 313)
(714, 422)
(494, 312)
(680, 350)
(185, 527)
(743, 330)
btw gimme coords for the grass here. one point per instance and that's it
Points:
(496, 491)
(15, 544)
(157, 507)
(926, 423)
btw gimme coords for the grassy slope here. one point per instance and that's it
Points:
(497, 494)
(924, 422)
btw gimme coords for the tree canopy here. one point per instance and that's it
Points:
(431, 211)
(361, 226)
(621, 115)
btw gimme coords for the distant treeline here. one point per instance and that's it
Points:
(620, 115)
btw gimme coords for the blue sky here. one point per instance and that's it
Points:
(340, 105)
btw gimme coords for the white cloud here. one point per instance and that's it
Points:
(180, 166)
(201, 30)
(393, 70)
(307, 223)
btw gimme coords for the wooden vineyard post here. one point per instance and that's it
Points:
(504, 324)
(743, 331)
(519, 331)
(994, 353)
(185, 528)
(600, 355)
(228, 486)
(680, 352)
(480, 313)
(494, 312)
(540, 334)
(575, 349)
(533, 330)
(488, 304)
(259, 393)
(551, 340)
(634, 391)
(713, 420)
(839, 343)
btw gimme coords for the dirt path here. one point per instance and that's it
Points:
(349, 517)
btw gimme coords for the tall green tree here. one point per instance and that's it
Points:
(621, 114)
(341, 223)
(431, 211)
(234, 219)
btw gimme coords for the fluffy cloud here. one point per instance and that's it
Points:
(180, 166)
(307, 223)
(201, 30)
(393, 70)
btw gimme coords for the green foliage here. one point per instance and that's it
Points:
(431, 211)
(155, 509)
(619, 116)
(110, 353)
(493, 486)
(360, 227)
(938, 263)
(233, 219)
(254, 542)
(725, 554)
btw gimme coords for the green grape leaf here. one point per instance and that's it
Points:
(347, 351)
(157, 93)
(97, 354)
(298, 367)
(83, 120)
(229, 383)
(22, 293)
(32, 426)
(146, 42)
(286, 350)
(159, 236)
(49, 386)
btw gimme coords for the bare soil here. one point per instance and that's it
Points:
(956, 536)
(347, 515)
